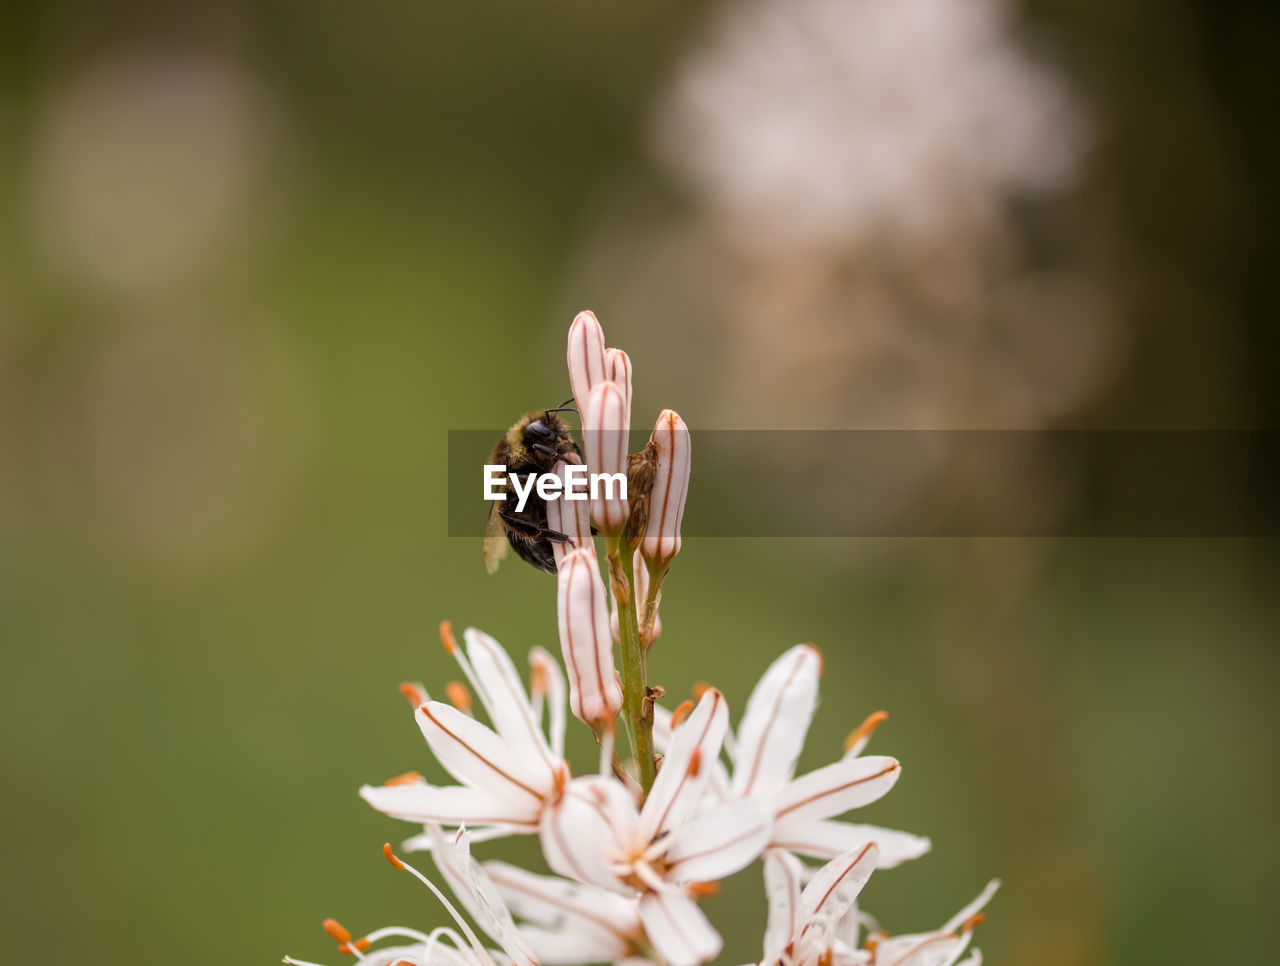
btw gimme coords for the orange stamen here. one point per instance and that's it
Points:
(413, 694)
(700, 889)
(865, 729)
(682, 711)
(458, 695)
(538, 679)
(336, 930)
(975, 920)
(822, 661)
(695, 763)
(408, 778)
(447, 638)
(700, 689)
(391, 856)
(360, 944)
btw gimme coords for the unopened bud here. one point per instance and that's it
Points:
(642, 592)
(604, 437)
(586, 357)
(617, 369)
(670, 487)
(572, 517)
(594, 692)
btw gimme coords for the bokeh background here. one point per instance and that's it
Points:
(257, 259)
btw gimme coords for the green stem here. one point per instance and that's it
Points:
(637, 713)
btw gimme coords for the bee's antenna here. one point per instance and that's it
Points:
(564, 407)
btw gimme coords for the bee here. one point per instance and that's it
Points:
(529, 448)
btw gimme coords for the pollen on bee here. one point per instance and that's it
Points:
(864, 730)
(458, 696)
(408, 778)
(391, 856)
(446, 637)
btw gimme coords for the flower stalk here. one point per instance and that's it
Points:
(637, 710)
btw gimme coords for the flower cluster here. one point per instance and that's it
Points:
(635, 844)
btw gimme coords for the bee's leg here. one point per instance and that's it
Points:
(518, 523)
(554, 536)
(543, 448)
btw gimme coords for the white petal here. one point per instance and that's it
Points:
(782, 872)
(678, 929)
(831, 892)
(604, 441)
(771, 734)
(928, 949)
(550, 668)
(973, 908)
(585, 356)
(837, 788)
(827, 839)
(505, 699)
(719, 843)
(718, 781)
(548, 900)
(588, 830)
(478, 895)
(694, 747)
(575, 947)
(475, 756)
(420, 802)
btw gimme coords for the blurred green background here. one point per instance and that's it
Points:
(257, 259)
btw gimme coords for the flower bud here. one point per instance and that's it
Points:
(594, 692)
(617, 368)
(604, 437)
(586, 358)
(570, 517)
(670, 487)
(642, 591)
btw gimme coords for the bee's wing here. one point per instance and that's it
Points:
(495, 541)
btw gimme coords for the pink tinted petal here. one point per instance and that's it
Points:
(678, 929)
(586, 357)
(617, 369)
(594, 692)
(837, 788)
(670, 487)
(604, 441)
(686, 767)
(553, 684)
(570, 517)
(719, 842)
(776, 721)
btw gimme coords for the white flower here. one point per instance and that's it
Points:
(444, 946)
(802, 924)
(942, 947)
(569, 923)
(507, 773)
(769, 741)
(596, 835)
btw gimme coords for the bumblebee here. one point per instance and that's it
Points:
(529, 448)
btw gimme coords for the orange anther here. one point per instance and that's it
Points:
(359, 944)
(699, 690)
(408, 778)
(413, 694)
(458, 695)
(336, 930)
(864, 730)
(391, 856)
(695, 763)
(538, 679)
(700, 889)
(682, 711)
(976, 919)
(447, 638)
(822, 661)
